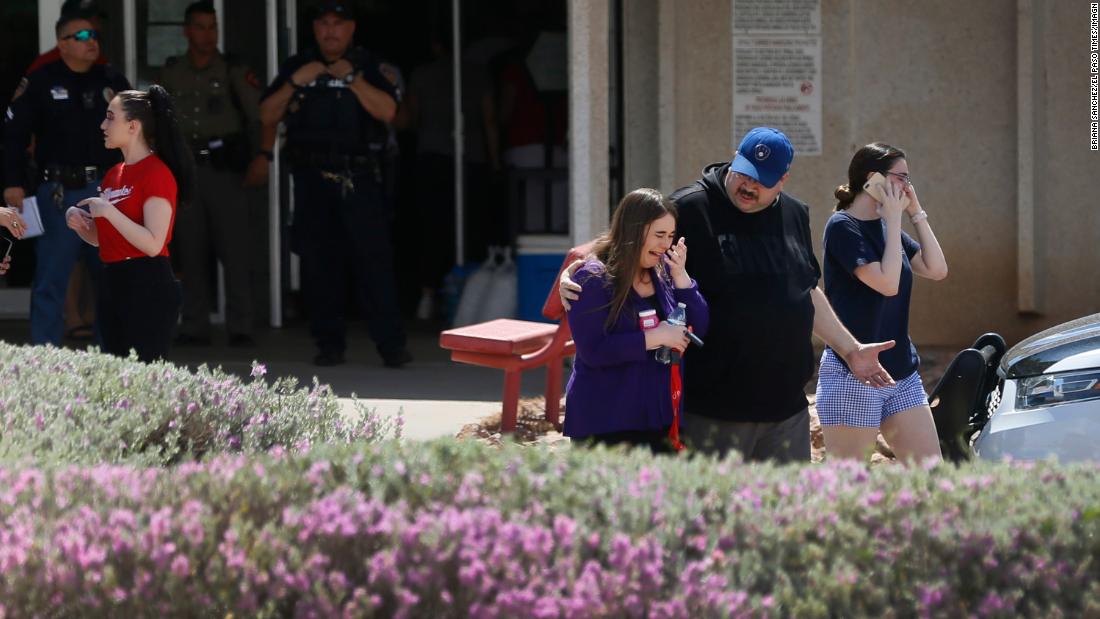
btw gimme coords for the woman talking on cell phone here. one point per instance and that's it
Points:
(869, 266)
(131, 222)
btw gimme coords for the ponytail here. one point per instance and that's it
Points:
(844, 197)
(160, 129)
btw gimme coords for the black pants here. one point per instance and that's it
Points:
(656, 440)
(139, 306)
(340, 233)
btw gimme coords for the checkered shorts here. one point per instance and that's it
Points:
(844, 401)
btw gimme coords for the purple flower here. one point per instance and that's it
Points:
(181, 567)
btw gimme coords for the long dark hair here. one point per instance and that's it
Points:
(153, 108)
(875, 157)
(620, 248)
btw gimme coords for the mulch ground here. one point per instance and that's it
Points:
(532, 428)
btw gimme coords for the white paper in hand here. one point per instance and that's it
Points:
(32, 217)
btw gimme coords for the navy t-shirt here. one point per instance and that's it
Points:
(871, 317)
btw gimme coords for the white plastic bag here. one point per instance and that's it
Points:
(476, 290)
(501, 299)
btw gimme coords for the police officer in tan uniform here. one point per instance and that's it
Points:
(218, 104)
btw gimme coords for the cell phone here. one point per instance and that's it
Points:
(874, 188)
(695, 339)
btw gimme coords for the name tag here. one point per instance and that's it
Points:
(59, 93)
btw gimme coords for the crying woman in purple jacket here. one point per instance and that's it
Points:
(618, 392)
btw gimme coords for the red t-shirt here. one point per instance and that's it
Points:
(128, 187)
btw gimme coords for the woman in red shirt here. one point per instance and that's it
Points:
(131, 223)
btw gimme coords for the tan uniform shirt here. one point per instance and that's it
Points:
(204, 99)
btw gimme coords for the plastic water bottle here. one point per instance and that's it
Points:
(678, 317)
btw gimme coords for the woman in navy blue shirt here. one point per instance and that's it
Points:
(869, 267)
(618, 392)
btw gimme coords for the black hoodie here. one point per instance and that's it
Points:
(756, 271)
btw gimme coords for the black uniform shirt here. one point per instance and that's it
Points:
(327, 126)
(63, 109)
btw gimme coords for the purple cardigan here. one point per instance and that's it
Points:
(616, 383)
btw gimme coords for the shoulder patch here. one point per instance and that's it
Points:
(390, 72)
(20, 89)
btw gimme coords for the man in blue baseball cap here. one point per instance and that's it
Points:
(752, 256)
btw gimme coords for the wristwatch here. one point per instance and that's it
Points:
(350, 77)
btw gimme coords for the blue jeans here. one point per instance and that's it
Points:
(58, 249)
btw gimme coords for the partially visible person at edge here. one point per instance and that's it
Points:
(13, 221)
(618, 392)
(753, 257)
(60, 109)
(335, 102)
(869, 266)
(131, 223)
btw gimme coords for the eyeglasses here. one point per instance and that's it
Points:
(746, 178)
(905, 178)
(85, 35)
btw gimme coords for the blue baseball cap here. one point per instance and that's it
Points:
(765, 154)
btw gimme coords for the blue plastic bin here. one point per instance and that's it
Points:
(538, 259)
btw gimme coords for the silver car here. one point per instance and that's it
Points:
(1045, 399)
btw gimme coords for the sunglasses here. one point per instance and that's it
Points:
(87, 34)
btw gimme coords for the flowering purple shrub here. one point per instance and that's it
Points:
(71, 406)
(455, 530)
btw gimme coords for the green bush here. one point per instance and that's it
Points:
(86, 407)
(447, 529)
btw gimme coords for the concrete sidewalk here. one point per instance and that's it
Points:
(437, 395)
(426, 419)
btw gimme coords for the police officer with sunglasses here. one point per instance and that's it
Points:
(60, 106)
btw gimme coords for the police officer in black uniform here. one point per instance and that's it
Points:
(61, 105)
(335, 104)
